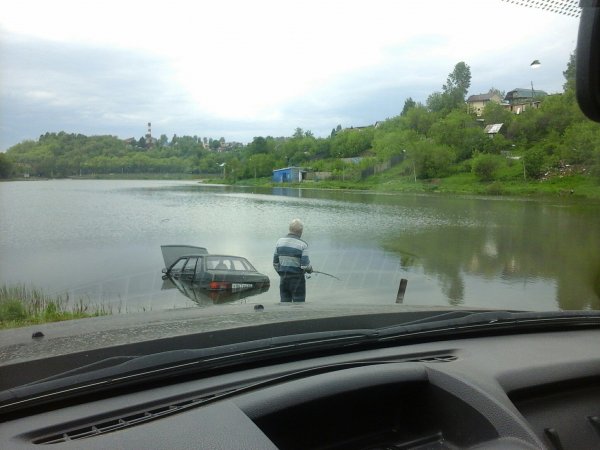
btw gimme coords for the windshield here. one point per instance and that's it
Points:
(424, 155)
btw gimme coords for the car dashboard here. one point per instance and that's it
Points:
(521, 391)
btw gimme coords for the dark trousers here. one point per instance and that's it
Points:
(292, 287)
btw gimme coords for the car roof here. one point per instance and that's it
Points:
(205, 255)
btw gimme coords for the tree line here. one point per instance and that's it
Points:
(433, 140)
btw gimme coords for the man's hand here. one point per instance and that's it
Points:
(308, 269)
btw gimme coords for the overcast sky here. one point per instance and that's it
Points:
(239, 69)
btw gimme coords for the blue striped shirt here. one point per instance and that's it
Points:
(291, 255)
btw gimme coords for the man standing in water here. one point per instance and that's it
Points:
(291, 261)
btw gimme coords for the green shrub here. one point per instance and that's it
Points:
(485, 166)
(494, 189)
(534, 162)
(433, 161)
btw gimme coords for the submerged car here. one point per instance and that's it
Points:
(205, 297)
(213, 273)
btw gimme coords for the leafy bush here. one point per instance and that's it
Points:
(534, 162)
(485, 166)
(433, 161)
(494, 189)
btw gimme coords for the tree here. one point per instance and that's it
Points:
(431, 160)
(569, 73)
(408, 104)
(534, 162)
(460, 131)
(525, 128)
(260, 165)
(388, 144)
(351, 142)
(234, 169)
(5, 166)
(418, 119)
(258, 145)
(496, 113)
(436, 102)
(581, 143)
(458, 83)
(163, 141)
(453, 92)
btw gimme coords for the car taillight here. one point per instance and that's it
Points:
(219, 285)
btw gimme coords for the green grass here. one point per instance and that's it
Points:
(22, 306)
(509, 182)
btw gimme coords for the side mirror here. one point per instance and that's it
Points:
(588, 59)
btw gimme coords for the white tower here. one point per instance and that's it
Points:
(149, 136)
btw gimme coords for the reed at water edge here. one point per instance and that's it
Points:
(22, 305)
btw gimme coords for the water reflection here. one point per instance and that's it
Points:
(287, 192)
(525, 246)
(204, 297)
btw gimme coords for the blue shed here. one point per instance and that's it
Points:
(289, 175)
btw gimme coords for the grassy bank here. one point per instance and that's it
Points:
(509, 183)
(22, 306)
(579, 186)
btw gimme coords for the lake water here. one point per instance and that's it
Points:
(100, 241)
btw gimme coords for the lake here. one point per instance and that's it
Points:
(99, 241)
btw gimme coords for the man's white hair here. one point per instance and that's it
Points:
(296, 227)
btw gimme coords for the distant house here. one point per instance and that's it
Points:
(476, 103)
(289, 175)
(228, 146)
(493, 129)
(518, 100)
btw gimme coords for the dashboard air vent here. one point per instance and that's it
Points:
(434, 359)
(127, 421)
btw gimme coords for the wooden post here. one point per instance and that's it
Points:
(401, 290)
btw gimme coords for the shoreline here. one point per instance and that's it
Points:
(568, 187)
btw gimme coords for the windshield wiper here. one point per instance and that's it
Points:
(120, 371)
(456, 323)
